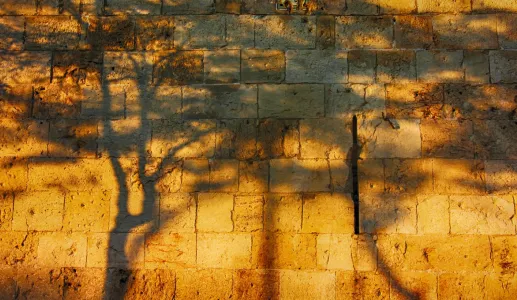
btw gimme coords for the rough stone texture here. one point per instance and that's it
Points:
(278, 138)
(204, 283)
(253, 176)
(214, 213)
(458, 285)
(293, 175)
(283, 212)
(346, 100)
(456, 176)
(291, 101)
(285, 32)
(318, 138)
(413, 31)
(52, 33)
(154, 33)
(36, 67)
(224, 251)
(351, 285)
(444, 138)
(477, 66)
(408, 176)
(436, 6)
(316, 66)
(414, 101)
(507, 36)
(248, 214)
(433, 214)
(364, 32)
(172, 250)
(284, 251)
(388, 214)
(503, 66)
(73, 138)
(500, 176)
(108, 33)
(132, 7)
(440, 66)
(327, 213)
(222, 66)
(13, 175)
(236, 139)
(12, 36)
(361, 66)
(465, 32)
(263, 66)
(195, 32)
(313, 285)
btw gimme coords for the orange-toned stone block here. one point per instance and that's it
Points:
(284, 251)
(436, 6)
(15, 101)
(501, 286)
(420, 285)
(6, 210)
(500, 176)
(73, 138)
(325, 138)
(87, 211)
(223, 250)
(253, 176)
(39, 211)
(460, 286)
(408, 176)
(170, 250)
(18, 248)
(13, 174)
(327, 213)
(52, 32)
(370, 285)
(248, 214)
(23, 137)
(256, 284)
(59, 249)
(283, 212)
(455, 176)
(504, 254)
(293, 175)
(40, 283)
(465, 31)
(124, 138)
(383, 213)
(214, 212)
(36, 67)
(178, 212)
(414, 101)
(364, 32)
(310, 285)
(122, 250)
(204, 283)
(278, 138)
(196, 175)
(334, 251)
(433, 214)
(448, 139)
(224, 175)
(371, 176)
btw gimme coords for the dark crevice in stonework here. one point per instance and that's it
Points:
(355, 178)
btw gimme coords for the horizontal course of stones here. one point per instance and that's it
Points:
(203, 147)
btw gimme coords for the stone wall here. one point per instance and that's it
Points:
(152, 149)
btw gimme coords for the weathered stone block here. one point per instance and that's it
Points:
(371, 176)
(220, 101)
(8, 282)
(361, 66)
(500, 176)
(328, 213)
(163, 174)
(13, 174)
(291, 101)
(346, 100)
(170, 250)
(388, 213)
(108, 33)
(477, 67)
(224, 175)
(413, 31)
(465, 32)
(13, 29)
(196, 175)
(55, 32)
(157, 102)
(178, 212)
(493, 6)
(132, 7)
(449, 139)
(283, 212)
(62, 250)
(414, 101)
(396, 66)
(433, 214)
(15, 101)
(256, 284)
(100, 105)
(420, 285)
(154, 33)
(380, 140)
(293, 175)
(353, 285)
(59, 7)
(285, 32)
(389, 7)
(228, 6)
(18, 249)
(341, 175)
(284, 251)
(482, 215)
(125, 138)
(253, 176)
(224, 250)
(81, 67)
(36, 67)
(183, 139)
(436, 6)
(504, 254)
(326, 32)
(123, 250)
(364, 32)
(187, 7)
(503, 66)
(18, 7)
(205, 284)
(248, 214)
(141, 284)
(313, 285)
(240, 32)
(23, 138)
(222, 66)
(440, 66)
(501, 286)
(320, 66)
(87, 211)
(258, 7)
(335, 252)
(325, 138)
(505, 25)
(408, 176)
(236, 139)
(452, 285)
(262, 65)
(58, 101)
(199, 32)
(73, 138)
(494, 139)
(127, 67)
(6, 210)
(214, 212)
(40, 283)
(455, 176)
(278, 138)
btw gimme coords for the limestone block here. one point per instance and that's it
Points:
(122, 250)
(284, 251)
(141, 284)
(413, 31)
(360, 7)
(108, 33)
(283, 212)
(36, 67)
(189, 139)
(128, 67)
(477, 66)
(310, 285)
(158, 102)
(199, 32)
(178, 212)
(154, 33)
(18, 249)
(503, 66)
(396, 66)
(319, 66)
(504, 254)
(178, 67)
(196, 175)
(31, 213)
(326, 32)
(220, 101)
(482, 215)
(163, 174)
(132, 7)
(73, 138)
(501, 286)
(256, 284)
(361, 66)
(204, 283)
(17, 7)
(500, 176)
(364, 32)
(224, 175)
(293, 175)
(371, 176)
(494, 139)
(346, 100)
(56, 32)
(6, 210)
(248, 214)
(80, 283)
(214, 212)
(328, 213)
(170, 250)
(408, 176)
(449, 139)
(493, 6)
(125, 138)
(8, 283)
(187, 7)
(291, 101)
(353, 285)
(285, 32)
(236, 138)
(77, 67)
(278, 138)
(253, 176)
(13, 33)
(100, 105)
(340, 176)
(325, 138)
(433, 214)
(263, 65)
(40, 283)
(87, 211)
(228, 6)
(451, 286)
(505, 32)
(388, 213)
(13, 174)
(58, 101)
(436, 6)
(455, 176)
(224, 250)
(388, 7)
(258, 7)
(380, 140)
(440, 66)
(465, 32)
(59, 7)
(15, 101)
(335, 251)
(413, 284)
(414, 100)
(222, 66)
(62, 250)
(240, 31)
